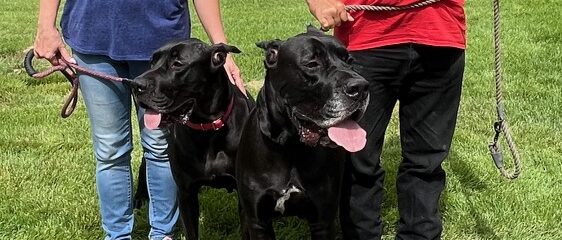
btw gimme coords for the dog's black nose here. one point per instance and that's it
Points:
(138, 84)
(356, 88)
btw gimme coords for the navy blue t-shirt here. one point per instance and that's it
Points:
(124, 29)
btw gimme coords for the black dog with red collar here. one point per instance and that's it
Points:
(187, 90)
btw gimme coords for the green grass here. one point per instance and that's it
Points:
(47, 188)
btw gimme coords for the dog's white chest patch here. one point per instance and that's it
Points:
(285, 195)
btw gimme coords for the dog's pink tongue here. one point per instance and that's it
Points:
(152, 119)
(349, 135)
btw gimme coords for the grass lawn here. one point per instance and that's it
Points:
(47, 188)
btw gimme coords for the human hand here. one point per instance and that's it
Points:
(49, 45)
(330, 13)
(234, 74)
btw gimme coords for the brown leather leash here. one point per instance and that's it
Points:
(70, 102)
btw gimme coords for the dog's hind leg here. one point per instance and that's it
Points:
(258, 218)
(243, 221)
(260, 231)
(322, 231)
(189, 212)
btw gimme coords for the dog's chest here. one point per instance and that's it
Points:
(293, 195)
(218, 163)
(206, 153)
(311, 176)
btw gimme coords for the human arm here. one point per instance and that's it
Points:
(330, 13)
(210, 17)
(48, 42)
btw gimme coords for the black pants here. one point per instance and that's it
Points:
(427, 83)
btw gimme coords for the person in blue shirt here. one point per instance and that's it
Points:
(118, 37)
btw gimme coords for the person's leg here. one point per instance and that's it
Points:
(362, 191)
(109, 108)
(162, 191)
(429, 104)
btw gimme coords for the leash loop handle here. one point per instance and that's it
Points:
(497, 155)
(70, 102)
(28, 63)
(69, 70)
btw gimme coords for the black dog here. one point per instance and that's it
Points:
(289, 161)
(187, 88)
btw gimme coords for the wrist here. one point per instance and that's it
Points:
(219, 40)
(314, 3)
(46, 28)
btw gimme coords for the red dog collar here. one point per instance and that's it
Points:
(214, 125)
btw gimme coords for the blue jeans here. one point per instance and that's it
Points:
(109, 110)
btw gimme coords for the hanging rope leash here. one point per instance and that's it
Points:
(500, 126)
(70, 103)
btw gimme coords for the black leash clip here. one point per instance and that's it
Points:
(494, 147)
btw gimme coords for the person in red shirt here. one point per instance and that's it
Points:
(414, 57)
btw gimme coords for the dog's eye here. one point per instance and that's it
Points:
(177, 64)
(349, 60)
(313, 64)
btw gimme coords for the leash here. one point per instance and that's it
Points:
(500, 126)
(70, 103)
(379, 8)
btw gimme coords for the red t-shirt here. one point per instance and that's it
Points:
(439, 24)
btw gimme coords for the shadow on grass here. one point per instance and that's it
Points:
(469, 183)
(459, 168)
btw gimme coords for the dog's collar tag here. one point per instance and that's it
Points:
(214, 125)
(217, 124)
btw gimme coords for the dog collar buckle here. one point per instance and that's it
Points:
(217, 124)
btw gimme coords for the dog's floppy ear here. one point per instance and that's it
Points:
(219, 52)
(314, 31)
(271, 51)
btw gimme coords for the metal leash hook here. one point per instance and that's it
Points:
(497, 155)
(494, 147)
